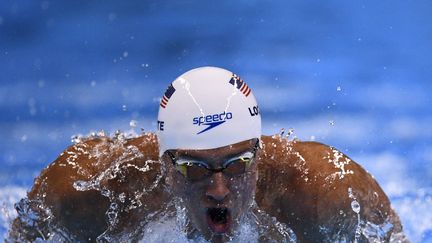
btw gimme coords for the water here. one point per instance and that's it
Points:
(352, 75)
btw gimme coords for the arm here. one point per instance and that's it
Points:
(95, 186)
(322, 194)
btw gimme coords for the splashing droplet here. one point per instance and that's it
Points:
(101, 133)
(282, 132)
(290, 132)
(133, 123)
(355, 206)
(338, 88)
(76, 138)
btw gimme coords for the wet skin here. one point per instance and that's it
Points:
(216, 191)
(299, 183)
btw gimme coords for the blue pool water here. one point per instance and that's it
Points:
(354, 75)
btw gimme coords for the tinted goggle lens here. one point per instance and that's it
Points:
(197, 171)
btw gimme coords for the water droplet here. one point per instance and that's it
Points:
(282, 131)
(93, 83)
(133, 123)
(318, 60)
(145, 65)
(338, 88)
(82, 185)
(331, 122)
(24, 138)
(76, 139)
(101, 133)
(125, 54)
(112, 213)
(124, 107)
(290, 132)
(355, 206)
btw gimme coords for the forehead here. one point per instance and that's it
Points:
(222, 152)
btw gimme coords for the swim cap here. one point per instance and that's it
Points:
(207, 108)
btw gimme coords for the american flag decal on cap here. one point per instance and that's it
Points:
(168, 93)
(240, 84)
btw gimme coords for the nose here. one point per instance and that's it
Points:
(217, 190)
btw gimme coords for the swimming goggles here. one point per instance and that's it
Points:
(196, 170)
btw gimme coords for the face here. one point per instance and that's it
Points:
(217, 185)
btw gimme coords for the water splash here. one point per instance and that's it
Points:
(254, 226)
(355, 206)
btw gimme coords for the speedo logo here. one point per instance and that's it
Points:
(212, 121)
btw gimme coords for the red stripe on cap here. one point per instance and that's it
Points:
(164, 102)
(163, 106)
(165, 98)
(249, 91)
(243, 87)
(246, 89)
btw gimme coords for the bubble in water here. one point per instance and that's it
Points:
(124, 107)
(338, 88)
(125, 54)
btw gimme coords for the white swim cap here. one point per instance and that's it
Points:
(207, 108)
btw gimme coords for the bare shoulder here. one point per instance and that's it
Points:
(320, 192)
(77, 190)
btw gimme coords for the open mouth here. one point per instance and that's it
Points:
(219, 219)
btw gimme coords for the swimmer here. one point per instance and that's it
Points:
(210, 172)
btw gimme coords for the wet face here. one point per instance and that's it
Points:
(217, 185)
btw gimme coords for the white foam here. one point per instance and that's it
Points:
(9, 195)
(415, 214)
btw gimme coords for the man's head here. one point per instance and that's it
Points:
(209, 128)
